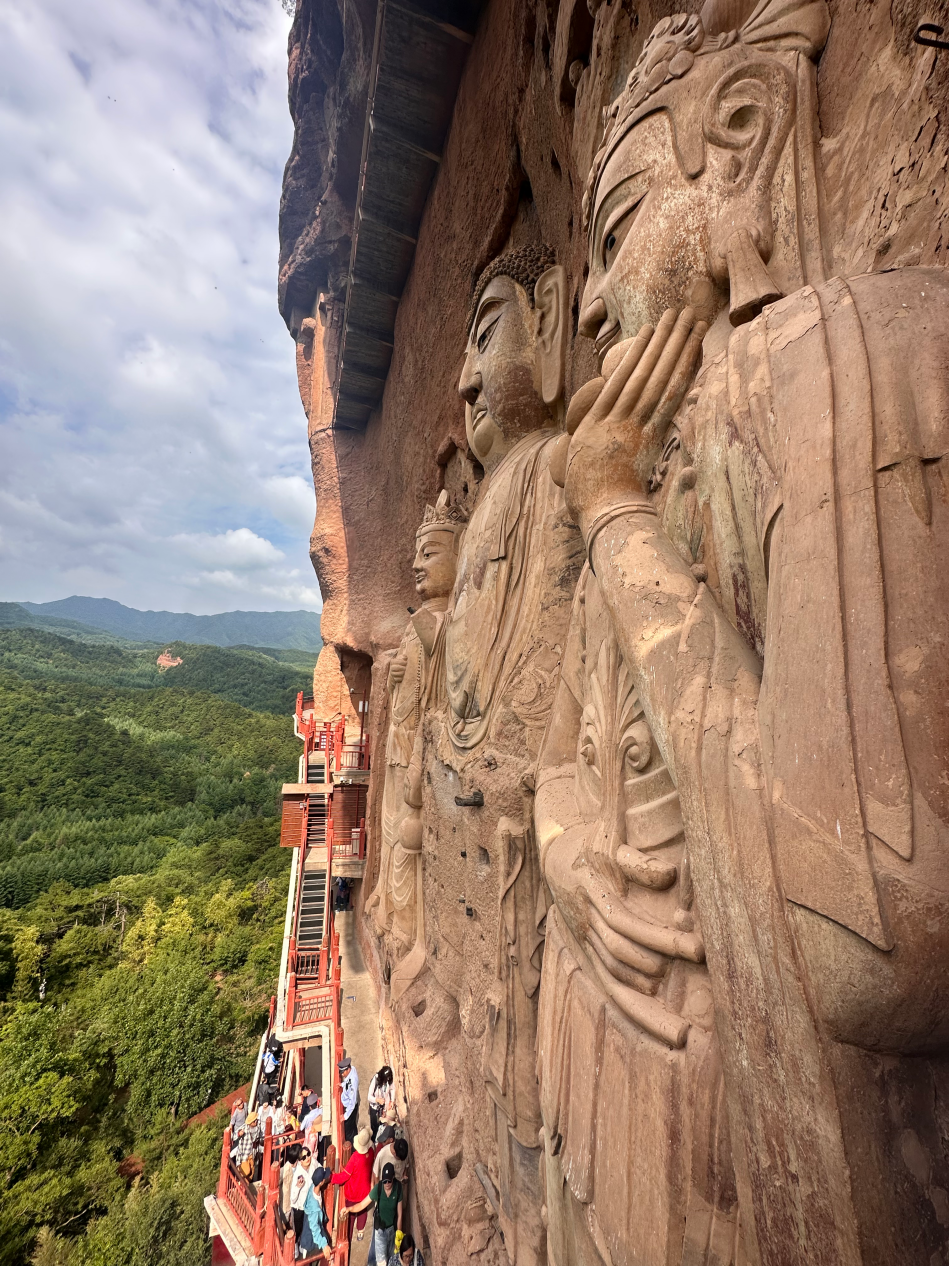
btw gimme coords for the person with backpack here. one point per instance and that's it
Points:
(386, 1196)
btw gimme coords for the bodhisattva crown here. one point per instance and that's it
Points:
(443, 516)
(676, 42)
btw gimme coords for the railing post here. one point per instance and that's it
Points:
(291, 998)
(258, 1239)
(268, 1150)
(225, 1158)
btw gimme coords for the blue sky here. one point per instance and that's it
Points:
(152, 442)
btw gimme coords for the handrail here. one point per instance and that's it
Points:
(355, 845)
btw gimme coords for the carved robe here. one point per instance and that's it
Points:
(518, 566)
(628, 1062)
(809, 740)
(518, 556)
(397, 884)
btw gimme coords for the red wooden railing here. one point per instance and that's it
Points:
(353, 844)
(304, 964)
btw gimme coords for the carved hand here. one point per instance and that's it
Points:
(616, 424)
(628, 953)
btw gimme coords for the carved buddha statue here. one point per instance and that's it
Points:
(516, 559)
(518, 566)
(742, 801)
(416, 678)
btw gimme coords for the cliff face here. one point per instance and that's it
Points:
(526, 125)
(330, 49)
(525, 128)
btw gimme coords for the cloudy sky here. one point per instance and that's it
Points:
(152, 441)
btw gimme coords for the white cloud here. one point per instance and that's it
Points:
(238, 548)
(148, 403)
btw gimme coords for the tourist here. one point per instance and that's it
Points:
(315, 1233)
(279, 1116)
(394, 1153)
(264, 1114)
(249, 1145)
(387, 1198)
(381, 1096)
(238, 1115)
(300, 1185)
(349, 1083)
(386, 1131)
(290, 1161)
(406, 1254)
(273, 1053)
(356, 1176)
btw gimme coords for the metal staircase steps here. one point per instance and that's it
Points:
(312, 916)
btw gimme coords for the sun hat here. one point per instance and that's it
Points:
(390, 1117)
(363, 1141)
(251, 1118)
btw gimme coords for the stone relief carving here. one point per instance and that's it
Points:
(416, 682)
(742, 798)
(517, 568)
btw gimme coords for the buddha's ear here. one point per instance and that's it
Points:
(550, 306)
(748, 117)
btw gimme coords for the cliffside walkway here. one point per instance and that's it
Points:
(321, 985)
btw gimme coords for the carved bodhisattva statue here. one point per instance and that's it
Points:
(742, 803)
(416, 680)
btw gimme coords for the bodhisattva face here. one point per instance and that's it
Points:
(649, 238)
(434, 566)
(499, 379)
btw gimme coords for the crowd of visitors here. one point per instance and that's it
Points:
(372, 1179)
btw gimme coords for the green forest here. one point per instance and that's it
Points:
(142, 895)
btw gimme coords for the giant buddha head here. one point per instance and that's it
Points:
(512, 381)
(704, 191)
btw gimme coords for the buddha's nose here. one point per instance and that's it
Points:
(592, 317)
(469, 386)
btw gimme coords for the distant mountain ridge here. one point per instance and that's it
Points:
(283, 630)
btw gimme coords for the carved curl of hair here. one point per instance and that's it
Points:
(524, 265)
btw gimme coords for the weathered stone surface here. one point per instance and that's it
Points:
(331, 693)
(704, 781)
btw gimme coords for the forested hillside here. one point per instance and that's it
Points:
(265, 680)
(142, 894)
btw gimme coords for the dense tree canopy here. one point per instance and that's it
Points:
(144, 890)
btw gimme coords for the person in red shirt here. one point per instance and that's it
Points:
(357, 1177)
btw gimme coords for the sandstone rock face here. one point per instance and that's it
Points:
(331, 693)
(659, 829)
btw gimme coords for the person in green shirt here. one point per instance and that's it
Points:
(386, 1195)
